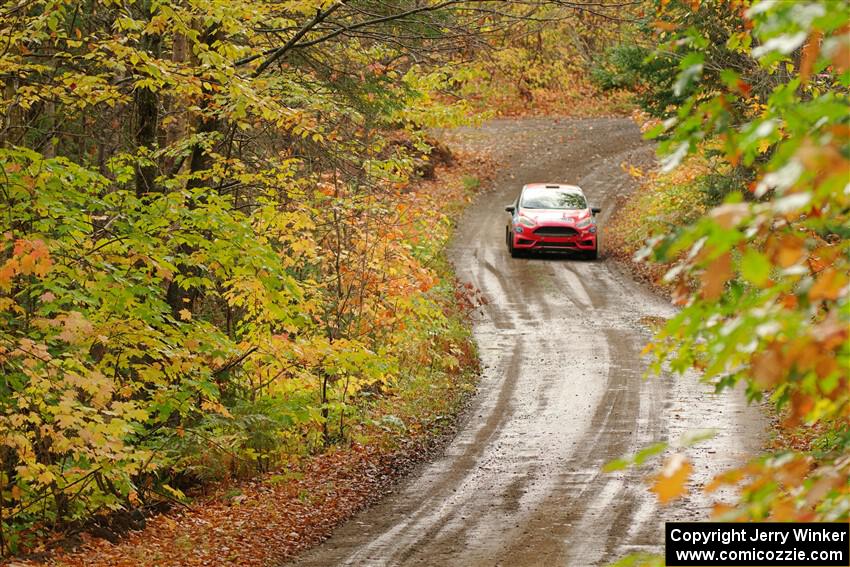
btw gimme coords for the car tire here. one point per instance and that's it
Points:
(511, 250)
(592, 254)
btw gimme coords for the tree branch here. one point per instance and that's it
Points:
(280, 51)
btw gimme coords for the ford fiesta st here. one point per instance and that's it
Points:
(553, 218)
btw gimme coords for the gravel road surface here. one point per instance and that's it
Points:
(562, 391)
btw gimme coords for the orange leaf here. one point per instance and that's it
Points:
(810, 55)
(825, 366)
(829, 285)
(782, 511)
(670, 483)
(788, 250)
(841, 51)
(715, 276)
(801, 405)
(768, 367)
(817, 264)
(7, 272)
(719, 509)
(802, 353)
(788, 301)
(734, 156)
(27, 264)
(731, 477)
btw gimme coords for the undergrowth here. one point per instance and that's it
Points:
(661, 201)
(435, 368)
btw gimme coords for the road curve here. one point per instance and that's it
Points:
(561, 394)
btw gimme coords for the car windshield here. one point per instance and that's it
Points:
(550, 198)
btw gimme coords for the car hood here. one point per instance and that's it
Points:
(555, 216)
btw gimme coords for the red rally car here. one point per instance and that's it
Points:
(548, 217)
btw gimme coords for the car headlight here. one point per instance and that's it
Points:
(584, 223)
(525, 221)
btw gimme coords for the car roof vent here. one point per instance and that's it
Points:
(553, 187)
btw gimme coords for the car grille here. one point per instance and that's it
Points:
(556, 244)
(556, 231)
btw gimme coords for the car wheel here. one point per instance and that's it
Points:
(511, 250)
(592, 254)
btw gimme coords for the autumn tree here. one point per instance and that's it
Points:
(762, 279)
(209, 244)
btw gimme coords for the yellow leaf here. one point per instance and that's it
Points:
(27, 264)
(185, 314)
(213, 406)
(46, 477)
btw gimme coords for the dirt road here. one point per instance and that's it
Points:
(562, 391)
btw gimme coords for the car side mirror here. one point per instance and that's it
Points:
(510, 209)
(595, 210)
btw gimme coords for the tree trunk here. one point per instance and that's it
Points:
(179, 298)
(177, 127)
(326, 436)
(146, 102)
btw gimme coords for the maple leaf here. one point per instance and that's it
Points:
(829, 285)
(75, 327)
(45, 477)
(788, 250)
(768, 367)
(670, 483)
(715, 276)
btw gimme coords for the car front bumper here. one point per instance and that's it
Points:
(528, 240)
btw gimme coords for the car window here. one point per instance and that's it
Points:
(548, 198)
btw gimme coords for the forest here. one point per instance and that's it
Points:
(224, 226)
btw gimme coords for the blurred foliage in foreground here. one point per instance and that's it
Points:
(763, 277)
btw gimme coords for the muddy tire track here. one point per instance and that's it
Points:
(562, 391)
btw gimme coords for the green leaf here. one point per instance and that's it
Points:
(755, 267)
